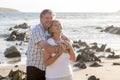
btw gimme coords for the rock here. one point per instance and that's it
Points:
(113, 56)
(102, 48)
(108, 50)
(22, 36)
(1, 77)
(99, 28)
(93, 78)
(116, 63)
(78, 57)
(12, 52)
(16, 66)
(76, 45)
(16, 75)
(109, 28)
(23, 26)
(81, 65)
(118, 31)
(113, 30)
(95, 64)
(15, 35)
(11, 28)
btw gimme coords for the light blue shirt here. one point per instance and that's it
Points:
(34, 52)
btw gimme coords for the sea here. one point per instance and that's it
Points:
(77, 26)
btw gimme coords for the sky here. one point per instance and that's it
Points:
(62, 5)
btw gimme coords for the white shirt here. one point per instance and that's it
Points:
(61, 67)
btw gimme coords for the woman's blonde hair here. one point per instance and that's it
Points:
(49, 29)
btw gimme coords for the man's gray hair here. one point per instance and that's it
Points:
(46, 11)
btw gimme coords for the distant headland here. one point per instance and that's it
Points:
(8, 10)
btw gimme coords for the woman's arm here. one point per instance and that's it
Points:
(48, 59)
(71, 52)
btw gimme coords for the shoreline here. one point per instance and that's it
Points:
(106, 72)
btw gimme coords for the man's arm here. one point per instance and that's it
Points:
(48, 47)
(65, 38)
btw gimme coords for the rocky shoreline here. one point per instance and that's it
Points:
(89, 56)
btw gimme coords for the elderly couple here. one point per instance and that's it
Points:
(49, 51)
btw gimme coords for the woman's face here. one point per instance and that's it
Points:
(56, 27)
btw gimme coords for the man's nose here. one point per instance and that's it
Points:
(50, 20)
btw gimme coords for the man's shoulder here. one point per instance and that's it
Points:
(37, 26)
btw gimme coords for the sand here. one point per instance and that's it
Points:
(5, 70)
(106, 72)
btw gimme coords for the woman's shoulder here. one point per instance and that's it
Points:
(51, 41)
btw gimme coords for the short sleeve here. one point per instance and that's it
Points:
(51, 41)
(37, 35)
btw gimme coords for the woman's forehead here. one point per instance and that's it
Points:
(56, 22)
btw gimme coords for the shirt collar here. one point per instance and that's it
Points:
(42, 27)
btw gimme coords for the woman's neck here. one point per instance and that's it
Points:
(57, 37)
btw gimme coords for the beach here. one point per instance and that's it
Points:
(4, 71)
(76, 26)
(107, 71)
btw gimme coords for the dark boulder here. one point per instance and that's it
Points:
(23, 26)
(15, 35)
(95, 64)
(93, 78)
(12, 52)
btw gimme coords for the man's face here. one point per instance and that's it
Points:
(46, 20)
